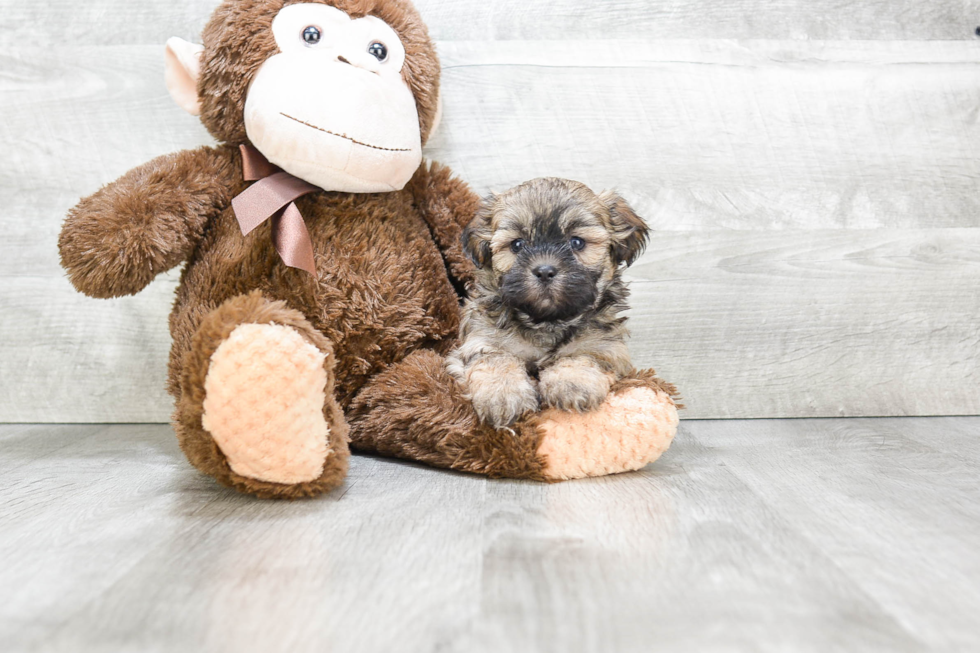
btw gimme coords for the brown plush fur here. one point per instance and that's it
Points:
(416, 411)
(381, 290)
(116, 241)
(385, 301)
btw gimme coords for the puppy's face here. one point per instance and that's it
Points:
(550, 247)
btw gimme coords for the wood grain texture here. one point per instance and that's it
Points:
(689, 19)
(950, 434)
(715, 135)
(748, 324)
(906, 501)
(65, 357)
(707, 139)
(816, 323)
(790, 536)
(113, 22)
(702, 135)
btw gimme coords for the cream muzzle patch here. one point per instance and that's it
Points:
(365, 139)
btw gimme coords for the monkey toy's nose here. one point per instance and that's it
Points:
(545, 272)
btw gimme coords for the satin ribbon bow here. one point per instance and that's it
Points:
(272, 196)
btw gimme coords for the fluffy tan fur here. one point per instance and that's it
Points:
(511, 361)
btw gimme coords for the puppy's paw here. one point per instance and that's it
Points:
(501, 403)
(501, 391)
(574, 384)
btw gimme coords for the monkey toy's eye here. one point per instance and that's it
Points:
(577, 243)
(517, 245)
(311, 35)
(378, 50)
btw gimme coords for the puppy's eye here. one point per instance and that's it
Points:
(577, 243)
(517, 245)
(378, 50)
(311, 35)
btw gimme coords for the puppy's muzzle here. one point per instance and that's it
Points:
(548, 286)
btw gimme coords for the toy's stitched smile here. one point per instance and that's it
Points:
(356, 142)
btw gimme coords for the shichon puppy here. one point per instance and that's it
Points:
(543, 325)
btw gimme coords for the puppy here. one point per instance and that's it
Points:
(542, 325)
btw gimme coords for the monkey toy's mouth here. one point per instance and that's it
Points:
(345, 136)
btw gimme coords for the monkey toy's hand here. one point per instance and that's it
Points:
(576, 383)
(116, 241)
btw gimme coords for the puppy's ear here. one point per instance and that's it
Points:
(477, 235)
(629, 232)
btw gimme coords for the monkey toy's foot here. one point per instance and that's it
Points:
(416, 410)
(263, 404)
(256, 407)
(633, 427)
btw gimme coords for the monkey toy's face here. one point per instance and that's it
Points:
(327, 103)
(331, 107)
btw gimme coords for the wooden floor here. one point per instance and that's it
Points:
(784, 535)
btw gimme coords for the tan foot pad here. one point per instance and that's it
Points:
(628, 431)
(263, 405)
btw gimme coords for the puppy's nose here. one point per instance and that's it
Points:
(545, 272)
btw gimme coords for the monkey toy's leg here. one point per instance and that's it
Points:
(415, 410)
(255, 406)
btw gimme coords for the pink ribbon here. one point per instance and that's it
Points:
(273, 196)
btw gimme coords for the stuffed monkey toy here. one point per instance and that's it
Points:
(324, 268)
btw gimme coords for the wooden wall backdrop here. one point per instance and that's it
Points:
(811, 168)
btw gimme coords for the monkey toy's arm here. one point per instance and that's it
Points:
(149, 220)
(447, 204)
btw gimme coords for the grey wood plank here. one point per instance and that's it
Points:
(212, 569)
(65, 357)
(799, 535)
(73, 123)
(687, 19)
(705, 136)
(911, 510)
(717, 135)
(758, 136)
(101, 22)
(23, 444)
(783, 136)
(682, 556)
(817, 323)
(76, 517)
(116, 21)
(959, 438)
(748, 324)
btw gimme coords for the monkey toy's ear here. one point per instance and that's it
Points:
(437, 119)
(183, 61)
(629, 232)
(477, 235)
